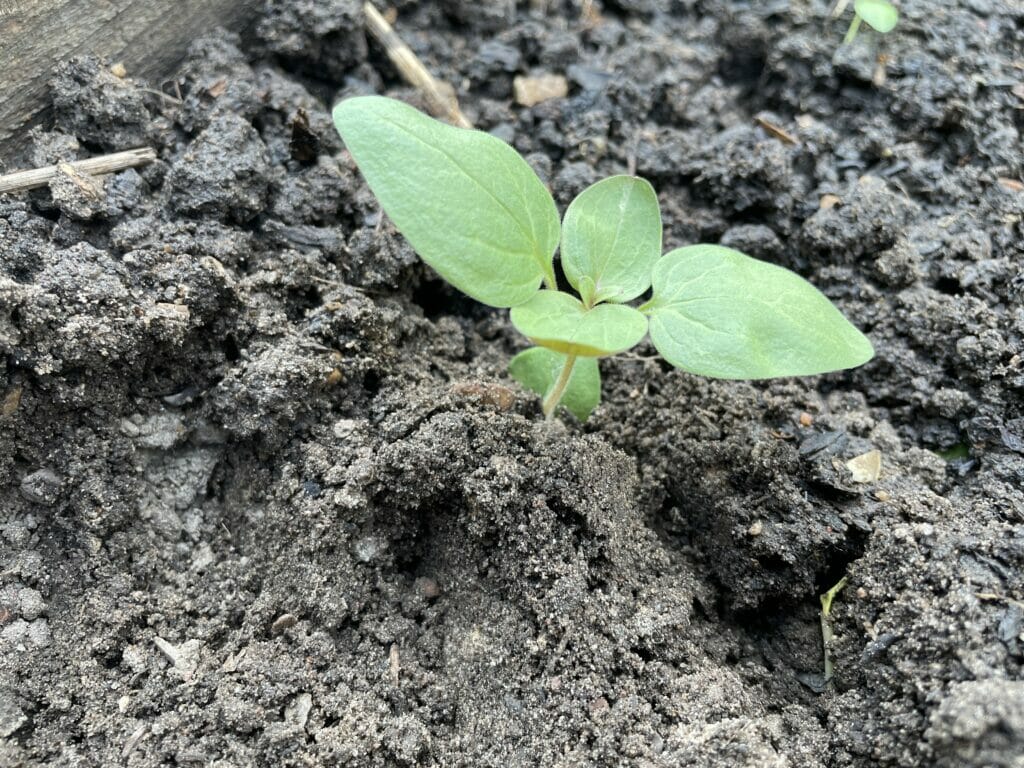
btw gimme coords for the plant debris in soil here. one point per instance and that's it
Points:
(269, 497)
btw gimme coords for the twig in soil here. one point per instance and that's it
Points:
(440, 96)
(776, 130)
(638, 358)
(21, 181)
(165, 96)
(992, 596)
(837, 8)
(826, 626)
(394, 665)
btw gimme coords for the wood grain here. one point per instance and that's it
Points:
(149, 36)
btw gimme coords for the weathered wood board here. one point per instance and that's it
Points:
(148, 36)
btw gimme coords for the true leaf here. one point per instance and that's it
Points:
(537, 369)
(717, 312)
(611, 235)
(879, 14)
(561, 322)
(472, 208)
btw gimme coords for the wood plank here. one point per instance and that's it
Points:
(149, 36)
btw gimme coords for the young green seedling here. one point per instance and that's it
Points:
(881, 15)
(476, 212)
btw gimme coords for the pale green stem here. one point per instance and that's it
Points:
(550, 281)
(851, 33)
(826, 626)
(554, 397)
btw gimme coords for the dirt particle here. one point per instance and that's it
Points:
(497, 395)
(11, 401)
(530, 91)
(428, 588)
(283, 622)
(866, 467)
(78, 195)
(599, 706)
(184, 658)
(756, 528)
(218, 88)
(42, 487)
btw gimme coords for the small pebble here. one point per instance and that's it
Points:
(283, 622)
(534, 90)
(42, 487)
(30, 603)
(428, 588)
(344, 428)
(600, 704)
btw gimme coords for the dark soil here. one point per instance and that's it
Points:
(269, 498)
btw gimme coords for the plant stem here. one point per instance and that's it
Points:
(550, 281)
(554, 397)
(826, 626)
(851, 33)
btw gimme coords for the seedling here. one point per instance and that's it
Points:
(826, 628)
(881, 15)
(476, 212)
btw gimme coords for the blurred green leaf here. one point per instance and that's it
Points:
(880, 15)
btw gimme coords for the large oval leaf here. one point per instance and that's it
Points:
(611, 235)
(537, 369)
(718, 312)
(880, 15)
(561, 322)
(466, 201)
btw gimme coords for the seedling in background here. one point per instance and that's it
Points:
(881, 15)
(476, 212)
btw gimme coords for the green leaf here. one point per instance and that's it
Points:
(880, 15)
(466, 201)
(561, 322)
(537, 369)
(717, 312)
(611, 235)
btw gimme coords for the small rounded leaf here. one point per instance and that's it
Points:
(537, 369)
(611, 235)
(472, 208)
(880, 15)
(717, 312)
(561, 322)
